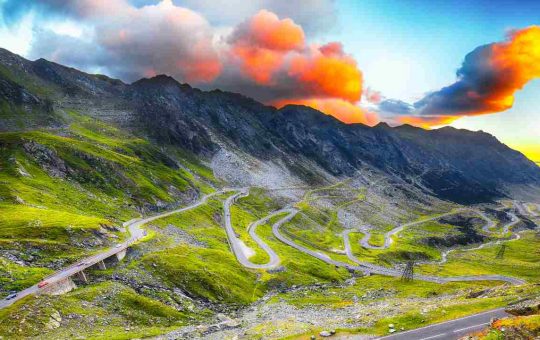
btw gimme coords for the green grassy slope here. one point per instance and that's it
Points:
(65, 192)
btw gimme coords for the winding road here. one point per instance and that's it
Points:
(238, 247)
(490, 224)
(136, 233)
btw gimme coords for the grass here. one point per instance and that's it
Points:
(376, 240)
(15, 277)
(380, 301)
(520, 327)
(240, 220)
(337, 297)
(410, 243)
(58, 188)
(521, 259)
(110, 311)
(211, 272)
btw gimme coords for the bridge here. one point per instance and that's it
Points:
(62, 282)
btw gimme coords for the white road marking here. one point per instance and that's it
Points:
(464, 329)
(434, 336)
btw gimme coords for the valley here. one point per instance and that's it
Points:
(238, 220)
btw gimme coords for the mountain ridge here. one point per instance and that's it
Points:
(453, 164)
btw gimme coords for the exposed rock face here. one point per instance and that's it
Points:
(457, 165)
(528, 307)
(48, 159)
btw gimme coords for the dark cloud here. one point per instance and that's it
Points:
(134, 42)
(488, 77)
(395, 107)
(476, 80)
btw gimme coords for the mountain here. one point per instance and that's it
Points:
(81, 154)
(295, 144)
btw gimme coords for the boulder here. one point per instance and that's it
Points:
(325, 334)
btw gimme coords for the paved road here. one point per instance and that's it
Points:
(388, 236)
(370, 268)
(274, 258)
(381, 270)
(136, 233)
(490, 224)
(450, 330)
(236, 244)
(277, 233)
(513, 221)
(238, 248)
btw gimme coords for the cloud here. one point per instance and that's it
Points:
(372, 96)
(270, 59)
(265, 56)
(343, 110)
(262, 43)
(133, 42)
(488, 78)
(395, 107)
(426, 122)
(327, 71)
(486, 83)
(13, 9)
(314, 16)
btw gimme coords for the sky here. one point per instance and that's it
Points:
(468, 64)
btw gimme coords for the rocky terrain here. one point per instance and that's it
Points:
(452, 164)
(81, 154)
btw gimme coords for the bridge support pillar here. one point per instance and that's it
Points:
(82, 276)
(101, 265)
(121, 254)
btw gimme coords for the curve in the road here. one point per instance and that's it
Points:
(236, 244)
(365, 267)
(136, 233)
(370, 268)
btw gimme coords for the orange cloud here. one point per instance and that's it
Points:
(517, 62)
(489, 77)
(258, 63)
(273, 53)
(427, 122)
(328, 72)
(341, 109)
(268, 31)
(263, 42)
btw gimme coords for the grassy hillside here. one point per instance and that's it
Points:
(65, 192)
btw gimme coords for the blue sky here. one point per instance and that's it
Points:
(408, 48)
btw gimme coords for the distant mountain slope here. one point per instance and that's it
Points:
(457, 165)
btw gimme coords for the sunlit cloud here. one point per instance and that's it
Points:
(487, 80)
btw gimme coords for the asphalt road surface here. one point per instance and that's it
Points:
(450, 330)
